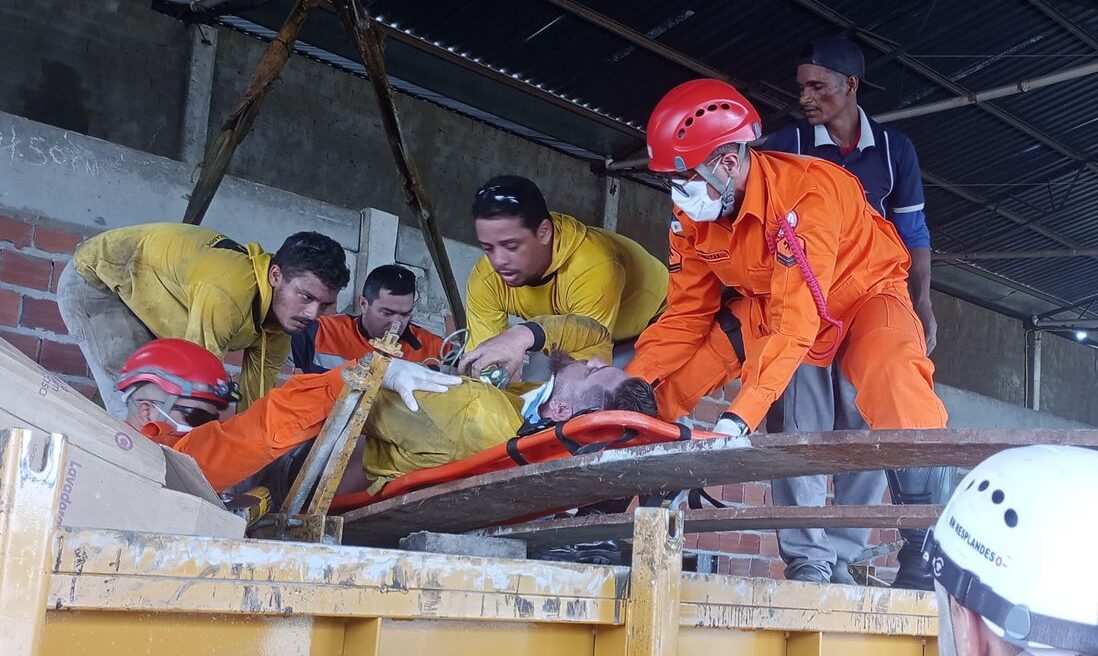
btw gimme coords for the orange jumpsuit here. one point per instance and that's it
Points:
(333, 339)
(859, 266)
(229, 451)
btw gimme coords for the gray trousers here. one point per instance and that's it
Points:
(821, 399)
(104, 328)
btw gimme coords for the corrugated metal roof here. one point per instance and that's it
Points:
(1009, 185)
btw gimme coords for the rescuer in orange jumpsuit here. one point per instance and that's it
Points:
(174, 391)
(823, 276)
(172, 387)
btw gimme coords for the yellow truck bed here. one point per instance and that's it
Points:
(71, 591)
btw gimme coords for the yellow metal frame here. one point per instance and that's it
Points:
(120, 593)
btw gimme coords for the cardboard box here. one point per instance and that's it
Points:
(99, 494)
(113, 477)
(40, 400)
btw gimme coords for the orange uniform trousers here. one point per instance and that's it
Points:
(883, 354)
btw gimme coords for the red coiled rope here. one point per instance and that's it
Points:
(787, 230)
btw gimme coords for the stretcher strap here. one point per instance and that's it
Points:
(788, 232)
(595, 447)
(513, 451)
(695, 496)
(571, 445)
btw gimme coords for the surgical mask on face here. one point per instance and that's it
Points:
(692, 197)
(533, 400)
(178, 427)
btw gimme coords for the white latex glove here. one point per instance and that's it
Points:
(731, 427)
(405, 377)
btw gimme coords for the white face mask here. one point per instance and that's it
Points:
(532, 401)
(179, 428)
(693, 199)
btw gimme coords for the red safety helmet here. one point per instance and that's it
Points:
(693, 119)
(182, 368)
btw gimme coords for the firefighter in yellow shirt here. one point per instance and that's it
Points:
(127, 286)
(539, 263)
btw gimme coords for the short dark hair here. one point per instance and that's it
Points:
(511, 195)
(634, 395)
(393, 278)
(312, 252)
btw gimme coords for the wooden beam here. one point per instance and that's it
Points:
(591, 528)
(536, 490)
(239, 123)
(368, 39)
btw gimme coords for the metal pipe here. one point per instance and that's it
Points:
(628, 164)
(341, 415)
(1078, 324)
(1033, 370)
(1021, 86)
(1017, 255)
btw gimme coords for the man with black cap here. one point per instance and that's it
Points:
(830, 71)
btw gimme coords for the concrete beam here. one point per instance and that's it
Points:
(377, 245)
(196, 104)
(82, 181)
(1033, 370)
(611, 195)
(464, 545)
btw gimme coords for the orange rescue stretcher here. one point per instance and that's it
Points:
(590, 433)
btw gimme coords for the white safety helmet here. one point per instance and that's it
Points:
(1016, 544)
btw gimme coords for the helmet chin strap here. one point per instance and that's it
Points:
(728, 192)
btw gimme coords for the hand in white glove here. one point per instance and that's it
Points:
(731, 425)
(405, 377)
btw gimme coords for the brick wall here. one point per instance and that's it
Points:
(32, 255)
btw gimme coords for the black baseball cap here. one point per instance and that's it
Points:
(834, 53)
(837, 54)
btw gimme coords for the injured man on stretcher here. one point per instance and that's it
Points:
(177, 393)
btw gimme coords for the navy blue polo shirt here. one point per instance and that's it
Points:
(885, 163)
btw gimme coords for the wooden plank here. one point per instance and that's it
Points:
(572, 530)
(535, 490)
